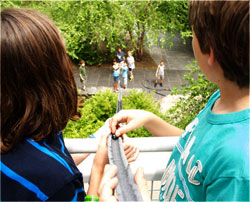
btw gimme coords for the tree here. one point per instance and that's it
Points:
(152, 21)
(140, 18)
(94, 29)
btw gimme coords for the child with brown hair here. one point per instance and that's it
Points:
(39, 96)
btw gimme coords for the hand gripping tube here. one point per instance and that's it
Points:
(126, 189)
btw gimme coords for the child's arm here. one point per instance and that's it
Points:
(100, 160)
(79, 158)
(81, 76)
(156, 73)
(138, 118)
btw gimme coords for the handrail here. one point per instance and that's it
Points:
(154, 154)
(145, 144)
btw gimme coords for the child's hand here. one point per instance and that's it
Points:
(110, 181)
(108, 184)
(133, 119)
(131, 151)
(102, 134)
(101, 157)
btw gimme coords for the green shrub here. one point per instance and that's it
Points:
(97, 109)
(196, 94)
(141, 100)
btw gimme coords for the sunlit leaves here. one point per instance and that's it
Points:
(94, 29)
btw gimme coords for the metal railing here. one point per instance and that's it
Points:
(154, 156)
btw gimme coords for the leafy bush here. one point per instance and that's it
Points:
(97, 109)
(141, 100)
(195, 96)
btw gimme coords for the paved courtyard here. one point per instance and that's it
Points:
(175, 60)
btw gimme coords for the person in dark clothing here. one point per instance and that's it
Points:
(39, 98)
(119, 55)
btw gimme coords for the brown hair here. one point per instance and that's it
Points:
(39, 93)
(224, 27)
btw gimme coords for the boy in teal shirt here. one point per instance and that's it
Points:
(211, 160)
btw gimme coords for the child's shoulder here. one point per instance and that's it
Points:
(214, 97)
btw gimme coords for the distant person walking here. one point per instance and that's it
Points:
(131, 65)
(159, 73)
(116, 74)
(119, 55)
(82, 74)
(124, 69)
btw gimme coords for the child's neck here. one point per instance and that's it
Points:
(232, 99)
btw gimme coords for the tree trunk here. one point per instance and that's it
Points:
(132, 39)
(142, 42)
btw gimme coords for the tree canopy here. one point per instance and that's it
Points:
(94, 29)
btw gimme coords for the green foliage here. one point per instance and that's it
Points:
(94, 29)
(175, 19)
(97, 109)
(195, 96)
(141, 100)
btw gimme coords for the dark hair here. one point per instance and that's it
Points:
(224, 27)
(39, 94)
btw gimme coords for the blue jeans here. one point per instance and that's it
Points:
(116, 79)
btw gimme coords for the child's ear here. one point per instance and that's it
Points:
(211, 58)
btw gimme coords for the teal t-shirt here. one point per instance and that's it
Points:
(116, 72)
(211, 160)
(124, 71)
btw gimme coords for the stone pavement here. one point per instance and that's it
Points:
(98, 78)
(176, 57)
(175, 60)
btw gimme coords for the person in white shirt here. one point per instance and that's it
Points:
(124, 73)
(159, 73)
(131, 65)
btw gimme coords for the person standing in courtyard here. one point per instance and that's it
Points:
(82, 74)
(119, 55)
(124, 74)
(131, 65)
(116, 75)
(159, 74)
